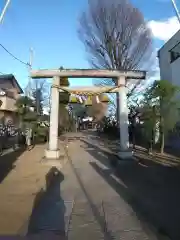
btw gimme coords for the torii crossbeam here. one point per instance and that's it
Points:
(122, 77)
(87, 73)
(90, 89)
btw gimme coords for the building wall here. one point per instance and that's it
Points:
(175, 72)
(11, 118)
(7, 108)
(6, 84)
(8, 104)
(165, 60)
(8, 101)
(8, 117)
(1, 117)
(170, 71)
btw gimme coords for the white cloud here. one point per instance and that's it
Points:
(164, 30)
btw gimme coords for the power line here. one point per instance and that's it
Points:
(176, 10)
(12, 55)
(1, 19)
(4, 10)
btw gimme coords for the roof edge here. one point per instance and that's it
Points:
(14, 80)
(167, 42)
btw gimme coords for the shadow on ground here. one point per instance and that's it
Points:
(156, 158)
(7, 162)
(170, 153)
(47, 219)
(171, 157)
(152, 190)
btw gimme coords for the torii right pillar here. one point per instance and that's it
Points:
(125, 152)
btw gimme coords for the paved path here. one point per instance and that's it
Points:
(84, 199)
(99, 211)
(154, 184)
(22, 178)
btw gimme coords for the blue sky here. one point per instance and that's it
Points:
(50, 27)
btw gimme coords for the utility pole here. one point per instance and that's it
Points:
(30, 65)
(28, 88)
(176, 9)
(4, 11)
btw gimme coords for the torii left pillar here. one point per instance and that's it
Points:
(124, 152)
(53, 151)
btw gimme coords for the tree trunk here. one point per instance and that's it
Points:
(133, 141)
(21, 122)
(150, 144)
(117, 107)
(162, 142)
(162, 134)
(150, 147)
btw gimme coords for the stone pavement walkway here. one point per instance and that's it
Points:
(84, 199)
(99, 211)
(154, 184)
(22, 175)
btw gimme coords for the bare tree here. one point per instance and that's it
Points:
(116, 36)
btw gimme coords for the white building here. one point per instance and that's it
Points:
(169, 63)
(169, 60)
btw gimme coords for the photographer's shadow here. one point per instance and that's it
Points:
(49, 209)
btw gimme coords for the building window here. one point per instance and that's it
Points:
(175, 52)
(174, 56)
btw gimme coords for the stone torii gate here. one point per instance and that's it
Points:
(122, 78)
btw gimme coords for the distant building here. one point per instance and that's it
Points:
(169, 60)
(10, 91)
